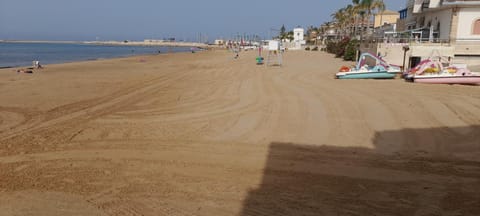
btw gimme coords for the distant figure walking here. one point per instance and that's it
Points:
(36, 64)
(236, 53)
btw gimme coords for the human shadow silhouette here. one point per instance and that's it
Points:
(408, 172)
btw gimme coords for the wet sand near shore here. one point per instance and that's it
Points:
(207, 134)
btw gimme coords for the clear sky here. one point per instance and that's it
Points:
(141, 19)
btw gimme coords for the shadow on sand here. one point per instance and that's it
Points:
(426, 172)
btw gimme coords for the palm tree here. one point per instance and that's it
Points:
(351, 13)
(340, 18)
(358, 12)
(370, 6)
(312, 33)
(323, 30)
(282, 34)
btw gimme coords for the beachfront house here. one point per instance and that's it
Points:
(327, 32)
(298, 35)
(449, 27)
(386, 17)
(219, 42)
(312, 36)
(385, 22)
(298, 39)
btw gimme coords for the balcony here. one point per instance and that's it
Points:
(418, 6)
(461, 2)
(425, 4)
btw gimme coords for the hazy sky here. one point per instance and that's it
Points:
(137, 20)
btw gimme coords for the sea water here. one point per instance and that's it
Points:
(22, 54)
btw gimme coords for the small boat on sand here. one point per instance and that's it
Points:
(381, 69)
(430, 71)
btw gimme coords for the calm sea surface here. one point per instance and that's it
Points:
(22, 54)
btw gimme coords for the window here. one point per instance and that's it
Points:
(403, 13)
(476, 27)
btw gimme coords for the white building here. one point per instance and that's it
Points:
(451, 27)
(454, 21)
(219, 42)
(298, 38)
(298, 34)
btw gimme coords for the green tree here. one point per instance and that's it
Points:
(369, 6)
(282, 32)
(353, 13)
(360, 16)
(351, 50)
(340, 19)
(290, 36)
(312, 33)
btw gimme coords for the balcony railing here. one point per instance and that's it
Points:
(371, 42)
(461, 2)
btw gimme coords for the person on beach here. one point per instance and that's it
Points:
(236, 50)
(24, 71)
(37, 65)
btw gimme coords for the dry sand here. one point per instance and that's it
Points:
(204, 134)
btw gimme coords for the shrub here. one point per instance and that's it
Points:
(351, 50)
(331, 46)
(341, 45)
(338, 47)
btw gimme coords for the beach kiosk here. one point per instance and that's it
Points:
(274, 57)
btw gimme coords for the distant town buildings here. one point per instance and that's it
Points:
(219, 42)
(448, 27)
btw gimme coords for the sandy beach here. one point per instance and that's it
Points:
(207, 134)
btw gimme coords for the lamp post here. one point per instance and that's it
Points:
(405, 48)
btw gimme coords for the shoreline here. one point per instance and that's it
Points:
(71, 57)
(87, 61)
